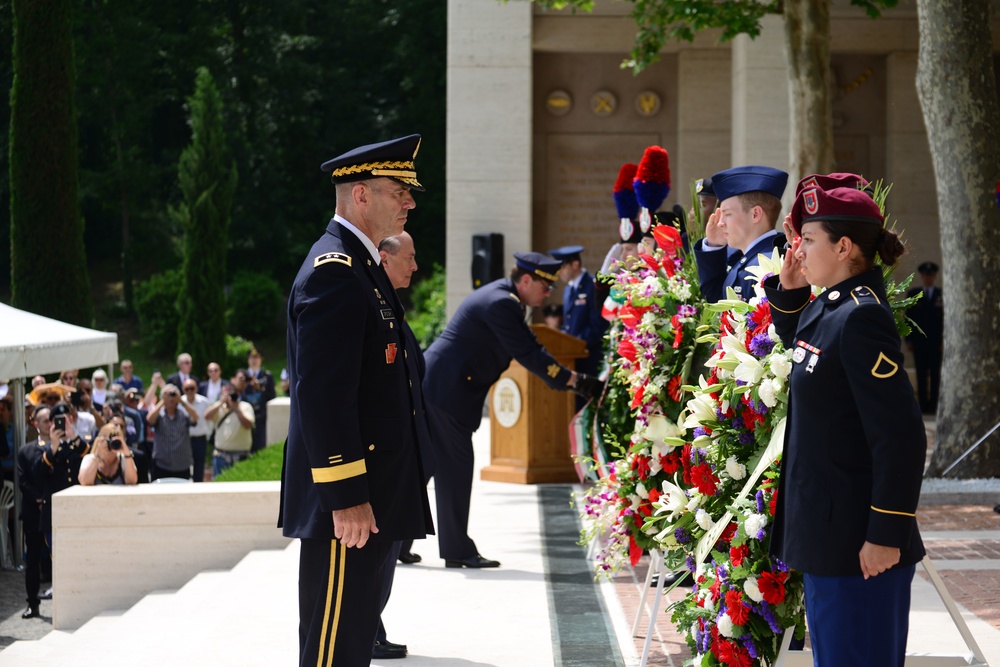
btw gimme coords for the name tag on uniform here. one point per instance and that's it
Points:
(387, 314)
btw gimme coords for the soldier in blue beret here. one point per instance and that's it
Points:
(581, 311)
(854, 442)
(352, 481)
(486, 332)
(741, 228)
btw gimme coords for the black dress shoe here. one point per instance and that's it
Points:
(382, 651)
(31, 611)
(47, 595)
(476, 561)
(409, 558)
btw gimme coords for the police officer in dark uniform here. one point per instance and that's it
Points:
(740, 230)
(486, 332)
(928, 313)
(581, 311)
(855, 444)
(351, 481)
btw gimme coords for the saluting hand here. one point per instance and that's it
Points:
(791, 275)
(352, 525)
(876, 559)
(713, 234)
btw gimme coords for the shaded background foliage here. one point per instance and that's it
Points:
(301, 81)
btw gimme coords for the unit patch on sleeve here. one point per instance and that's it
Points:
(326, 258)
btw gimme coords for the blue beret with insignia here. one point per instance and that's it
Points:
(388, 159)
(538, 264)
(750, 178)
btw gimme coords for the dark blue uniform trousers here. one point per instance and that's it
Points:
(388, 574)
(859, 622)
(453, 469)
(340, 599)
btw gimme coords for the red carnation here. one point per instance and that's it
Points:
(654, 495)
(737, 554)
(737, 612)
(727, 534)
(686, 462)
(772, 586)
(714, 589)
(640, 464)
(773, 502)
(670, 463)
(734, 655)
(703, 478)
(626, 350)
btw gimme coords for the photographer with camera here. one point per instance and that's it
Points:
(171, 419)
(234, 422)
(111, 461)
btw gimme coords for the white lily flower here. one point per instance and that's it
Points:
(700, 408)
(750, 369)
(673, 500)
(772, 333)
(641, 491)
(694, 502)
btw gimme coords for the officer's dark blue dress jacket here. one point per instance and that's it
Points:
(487, 331)
(582, 314)
(929, 316)
(728, 267)
(351, 432)
(854, 442)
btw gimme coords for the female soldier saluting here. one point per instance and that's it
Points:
(854, 451)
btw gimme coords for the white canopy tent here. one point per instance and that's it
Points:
(34, 345)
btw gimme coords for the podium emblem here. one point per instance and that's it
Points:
(506, 402)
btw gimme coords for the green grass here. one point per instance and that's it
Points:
(265, 465)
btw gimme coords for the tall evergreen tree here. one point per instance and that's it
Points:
(207, 178)
(48, 262)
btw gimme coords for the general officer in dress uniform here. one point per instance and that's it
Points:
(855, 445)
(351, 481)
(741, 228)
(928, 313)
(486, 332)
(581, 311)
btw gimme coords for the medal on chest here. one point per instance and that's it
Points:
(804, 349)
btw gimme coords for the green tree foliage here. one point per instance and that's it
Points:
(207, 177)
(156, 305)
(428, 316)
(255, 305)
(48, 264)
(658, 21)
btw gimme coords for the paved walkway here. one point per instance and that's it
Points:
(541, 608)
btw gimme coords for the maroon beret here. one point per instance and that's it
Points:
(831, 181)
(844, 204)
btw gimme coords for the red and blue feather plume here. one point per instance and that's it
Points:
(624, 194)
(652, 181)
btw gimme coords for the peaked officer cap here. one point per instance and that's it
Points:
(751, 178)
(538, 264)
(390, 159)
(567, 253)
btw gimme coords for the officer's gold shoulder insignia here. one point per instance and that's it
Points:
(861, 292)
(328, 257)
(552, 370)
(884, 367)
(514, 296)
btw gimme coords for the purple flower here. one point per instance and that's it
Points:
(719, 414)
(778, 565)
(740, 383)
(760, 501)
(745, 438)
(761, 345)
(738, 423)
(690, 564)
(682, 535)
(685, 310)
(765, 612)
(749, 645)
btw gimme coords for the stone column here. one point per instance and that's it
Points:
(704, 117)
(761, 114)
(489, 132)
(913, 199)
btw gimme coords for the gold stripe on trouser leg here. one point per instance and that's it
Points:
(328, 637)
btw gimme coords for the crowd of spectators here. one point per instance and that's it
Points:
(92, 431)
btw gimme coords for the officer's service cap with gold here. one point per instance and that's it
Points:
(388, 159)
(538, 264)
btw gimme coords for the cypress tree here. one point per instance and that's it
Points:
(207, 178)
(48, 261)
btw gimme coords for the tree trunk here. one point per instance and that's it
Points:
(958, 95)
(807, 39)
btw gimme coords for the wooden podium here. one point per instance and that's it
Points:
(529, 422)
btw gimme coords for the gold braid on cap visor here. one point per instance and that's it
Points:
(547, 276)
(399, 169)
